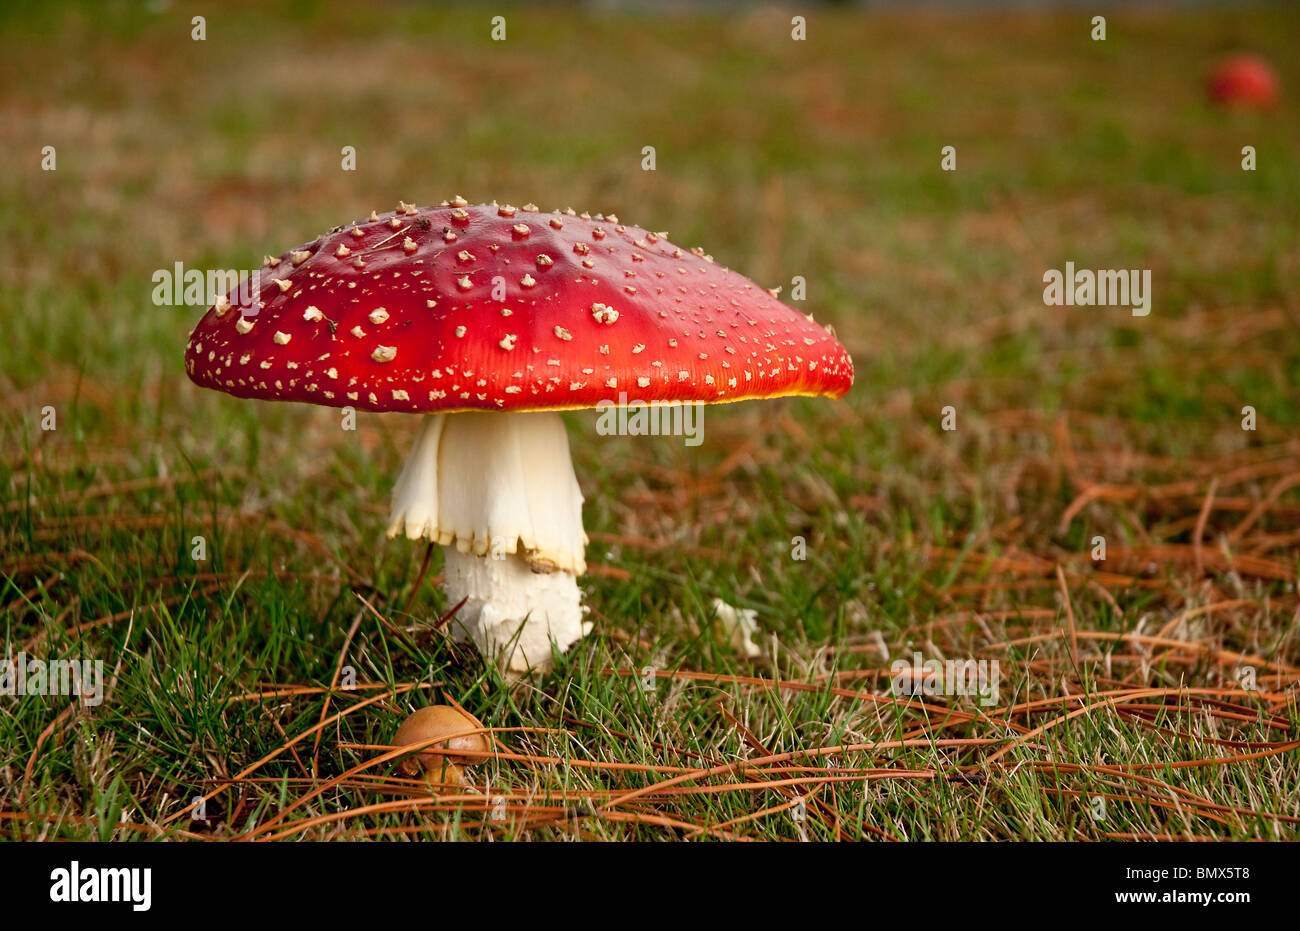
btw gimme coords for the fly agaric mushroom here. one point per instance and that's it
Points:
(491, 319)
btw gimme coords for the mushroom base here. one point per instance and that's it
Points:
(512, 613)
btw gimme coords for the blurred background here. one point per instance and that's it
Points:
(818, 158)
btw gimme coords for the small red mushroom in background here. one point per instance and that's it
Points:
(1243, 80)
(490, 319)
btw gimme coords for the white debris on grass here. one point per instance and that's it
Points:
(738, 626)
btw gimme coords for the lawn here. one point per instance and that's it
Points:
(1150, 694)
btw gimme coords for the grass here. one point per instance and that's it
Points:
(1121, 712)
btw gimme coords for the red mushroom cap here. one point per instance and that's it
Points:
(1243, 80)
(462, 307)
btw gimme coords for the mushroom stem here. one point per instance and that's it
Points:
(512, 613)
(498, 491)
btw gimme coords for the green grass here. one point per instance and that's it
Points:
(818, 159)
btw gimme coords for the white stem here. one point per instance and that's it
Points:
(512, 613)
(498, 491)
